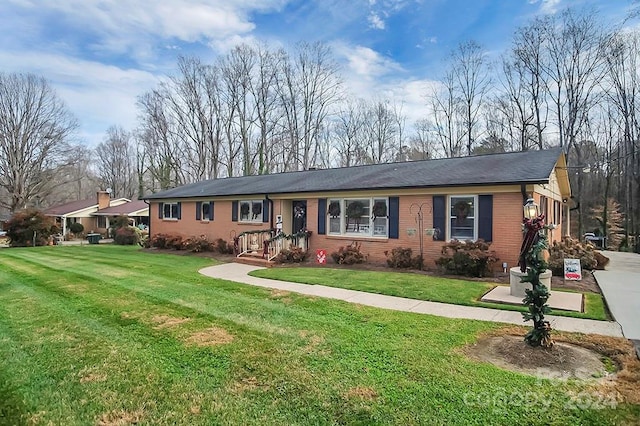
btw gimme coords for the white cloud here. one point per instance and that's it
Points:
(547, 6)
(375, 22)
(365, 62)
(121, 25)
(369, 75)
(99, 95)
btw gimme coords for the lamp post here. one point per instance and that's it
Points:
(532, 262)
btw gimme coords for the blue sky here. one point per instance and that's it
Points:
(101, 54)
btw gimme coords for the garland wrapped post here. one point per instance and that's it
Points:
(532, 262)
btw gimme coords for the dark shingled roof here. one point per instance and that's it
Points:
(493, 169)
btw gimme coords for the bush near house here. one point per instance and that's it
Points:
(292, 255)
(470, 258)
(194, 244)
(570, 248)
(28, 226)
(402, 257)
(349, 255)
(127, 236)
(198, 244)
(76, 228)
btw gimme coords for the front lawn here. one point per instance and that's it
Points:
(101, 334)
(415, 286)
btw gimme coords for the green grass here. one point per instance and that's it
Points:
(416, 286)
(85, 338)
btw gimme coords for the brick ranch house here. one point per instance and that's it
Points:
(464, 198)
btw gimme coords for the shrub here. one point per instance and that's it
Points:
(570, 248)
(116, 223)
(223, 247)
(349, 255)
(76, 228)
(127, 236)
(601, 261)
(198, 244)
(293, 255)
(161, 241)
(470, 258)
(175, 242)
(401, 257)
(27, 224)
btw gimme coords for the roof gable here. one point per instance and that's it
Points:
(493, 169)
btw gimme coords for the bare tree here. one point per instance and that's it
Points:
(472, 81)
(421, 144)
(527, 85)
(156, 138)
(574, 68)
(309, 86)
(116, 163)
(448, 127)
(381, 132)
(347, 133)
(621, 89)
(35, 127)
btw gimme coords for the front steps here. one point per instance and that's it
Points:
(254, 259)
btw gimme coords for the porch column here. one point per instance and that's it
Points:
(567, 215)
(64, 226)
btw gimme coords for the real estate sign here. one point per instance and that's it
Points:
(572, 270)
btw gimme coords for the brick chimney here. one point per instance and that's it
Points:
(104, 199)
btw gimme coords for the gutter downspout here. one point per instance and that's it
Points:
(523, 190)
(266, 197)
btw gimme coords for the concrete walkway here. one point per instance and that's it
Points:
(620, 285)
(239, 273)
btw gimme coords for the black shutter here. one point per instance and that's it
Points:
(322, 216)
(394, 217)
(234, 211)
(485, 217)
(210, 210)
(160, 210)
(440, 217)
(179, 210)
(198, 210)
(265, 211)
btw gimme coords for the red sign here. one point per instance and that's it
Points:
(321, 256)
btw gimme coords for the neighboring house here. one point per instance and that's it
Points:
(379, 206)
(136, 210)
(89, 212)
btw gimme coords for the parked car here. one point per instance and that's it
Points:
(3, 234)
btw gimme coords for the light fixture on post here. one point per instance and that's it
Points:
(533, 264)
(531, 209)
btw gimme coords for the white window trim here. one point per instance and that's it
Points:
(475, 216)
(343, 219)
(250, 220)
(203, 217)
(164, 207)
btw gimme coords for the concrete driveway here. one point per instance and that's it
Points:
(620, 285)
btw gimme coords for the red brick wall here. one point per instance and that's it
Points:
(507, 236)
